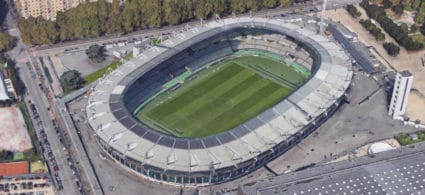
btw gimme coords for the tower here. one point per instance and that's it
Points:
(322, 16)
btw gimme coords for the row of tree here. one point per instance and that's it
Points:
(6, 41)
(352, 10)
(373, 29)
(377, 13)
(6, 155)
(99, 18)
(391, 48)
(419, 6)
(13, 73)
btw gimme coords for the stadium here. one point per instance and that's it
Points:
(220, 100)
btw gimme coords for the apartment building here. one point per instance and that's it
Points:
(46, 8)
(400, 96)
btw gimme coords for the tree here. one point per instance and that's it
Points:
(380, 36)
(6, 42)
(378, 13)
(96, 53)
(171, 16)
(129, 16)
(71, 80)
(352, 10)
(398, 9)
(404, 27)
(270, 3)
(387, 4)
(414, 28)
(113, 24)
(151, 13)
(203, 8)
(185, 8)
(254, 5)
(423, 29)
(6, 155)
(220, 7)
(238, 6)
(97, 18)
(392, 49)
(285, 3)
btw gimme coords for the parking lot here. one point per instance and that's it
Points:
(26, 185)
(76, 58)
(52, 141)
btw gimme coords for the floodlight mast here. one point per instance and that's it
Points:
(322, 17)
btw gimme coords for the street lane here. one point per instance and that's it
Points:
(41, 103)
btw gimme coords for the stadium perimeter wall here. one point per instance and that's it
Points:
(226, 171)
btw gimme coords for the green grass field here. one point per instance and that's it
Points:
(221, 97)
(102, 71)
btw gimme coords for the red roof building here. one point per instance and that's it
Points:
(14, 168)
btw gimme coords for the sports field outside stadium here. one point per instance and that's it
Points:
(221, 97)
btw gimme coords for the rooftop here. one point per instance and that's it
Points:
(405, 73)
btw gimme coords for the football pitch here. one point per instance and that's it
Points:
(221, 97)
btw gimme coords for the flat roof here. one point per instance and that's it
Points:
(405, 73)
(386, 173)
(3, 91)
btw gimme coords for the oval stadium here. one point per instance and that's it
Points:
(218, 101)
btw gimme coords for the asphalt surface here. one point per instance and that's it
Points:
(143, 34)
(34, 93)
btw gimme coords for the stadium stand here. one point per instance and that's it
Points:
(234, 153)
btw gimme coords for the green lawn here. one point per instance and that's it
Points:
(220, 98)
(404, 138)
(102, 71)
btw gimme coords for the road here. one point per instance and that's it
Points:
(20, 53)
(142, 34)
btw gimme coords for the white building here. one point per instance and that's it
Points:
(3, 91)
(403, 83)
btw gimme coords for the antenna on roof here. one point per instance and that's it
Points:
(322, 16)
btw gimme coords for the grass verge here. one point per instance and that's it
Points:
(102, 71)
(34, 154)
(405, 139)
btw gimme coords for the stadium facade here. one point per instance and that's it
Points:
(239, 151)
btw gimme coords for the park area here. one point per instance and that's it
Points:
(221, 97)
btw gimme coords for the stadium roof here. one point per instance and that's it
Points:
(118, 128)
